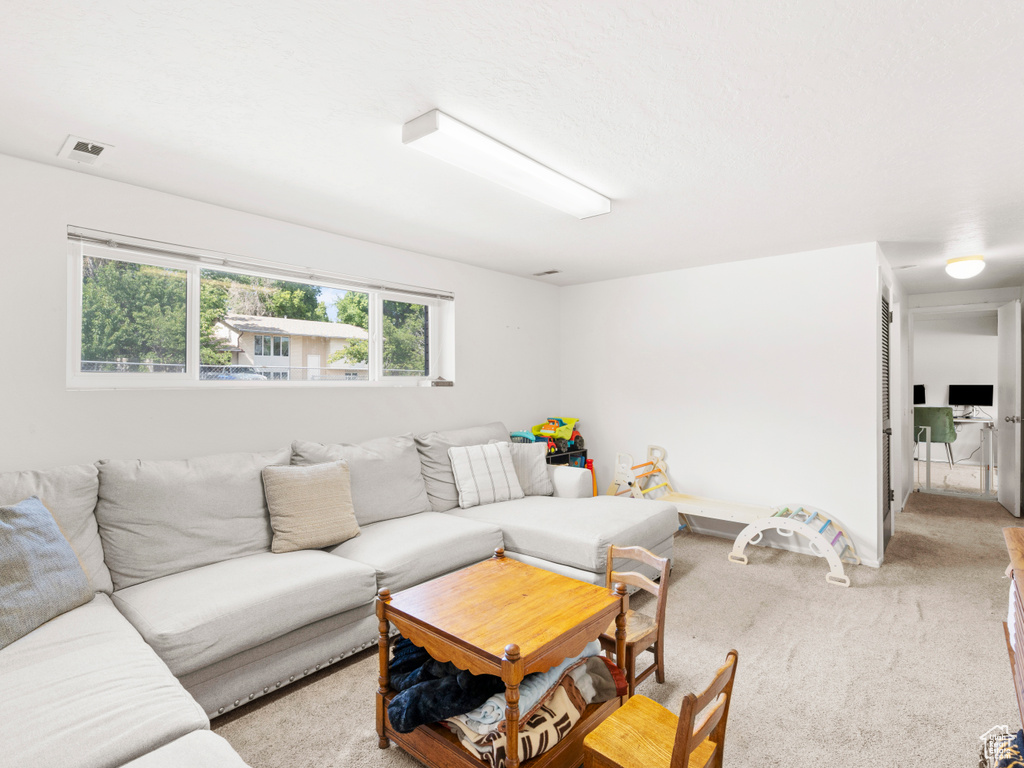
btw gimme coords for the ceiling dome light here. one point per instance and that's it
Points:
(965, 266)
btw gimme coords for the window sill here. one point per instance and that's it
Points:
(89, 383)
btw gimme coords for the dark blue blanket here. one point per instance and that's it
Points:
(431, 690)
(1013, 755)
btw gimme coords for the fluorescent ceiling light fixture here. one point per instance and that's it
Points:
(965, 266)
(447, 139)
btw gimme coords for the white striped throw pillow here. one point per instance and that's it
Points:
(484, 474)
(530, 461)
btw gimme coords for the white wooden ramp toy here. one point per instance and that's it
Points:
(824, 537)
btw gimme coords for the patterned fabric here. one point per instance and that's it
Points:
(484, 474)
(532, 692)
(539, 732)
(1012, 755)
(40, 576)
(530, 461)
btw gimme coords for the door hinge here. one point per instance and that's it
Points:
(892, 495)
(890, 316)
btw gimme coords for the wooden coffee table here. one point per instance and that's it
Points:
(505, 618)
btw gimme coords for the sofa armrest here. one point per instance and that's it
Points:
(571, 482)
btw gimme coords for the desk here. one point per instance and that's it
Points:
(987, 448)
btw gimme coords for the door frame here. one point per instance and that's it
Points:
(943, 309)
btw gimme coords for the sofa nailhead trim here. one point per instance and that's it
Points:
(307, 671)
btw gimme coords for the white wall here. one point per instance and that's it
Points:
(957, 348)
(506, 346)
(759, 377)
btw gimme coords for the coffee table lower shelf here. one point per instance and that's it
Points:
(436, 746)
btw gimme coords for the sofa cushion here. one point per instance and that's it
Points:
(386, 479)
(197, 617)
(310, 507)
(70, 495)
(530, 461)
(40, 576)
(162, 517)
(199, 749)
(437, 467)
(577, 532)
(411, 550)
(484, 474)
(85, 690)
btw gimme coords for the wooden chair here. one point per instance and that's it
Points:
(642, 632)
(643, 734)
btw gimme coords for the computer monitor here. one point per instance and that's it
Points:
(971, 394)
(919, 394)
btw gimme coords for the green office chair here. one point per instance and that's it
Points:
(941, 422)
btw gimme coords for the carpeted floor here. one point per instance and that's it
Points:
(907, 667)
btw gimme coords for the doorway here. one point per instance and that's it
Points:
(966, 370)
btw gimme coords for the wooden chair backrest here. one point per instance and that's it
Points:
(715, 699)
(634, 579)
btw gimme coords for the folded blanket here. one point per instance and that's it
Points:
(433, 700)
(432, 690)
(491, 713)
(547, 726)
(405, 656)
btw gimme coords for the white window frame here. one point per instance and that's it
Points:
(432, 335)
(192, 262)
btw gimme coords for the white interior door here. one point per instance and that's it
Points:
(1008, 407)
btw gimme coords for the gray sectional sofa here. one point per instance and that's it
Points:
(194, 616)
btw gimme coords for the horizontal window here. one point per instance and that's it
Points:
(147, 316)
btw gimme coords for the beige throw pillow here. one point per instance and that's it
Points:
(310, 507)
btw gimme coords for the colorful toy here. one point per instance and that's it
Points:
(593, 475)
(561, 435)
(634, 479)
(522, 437)
(825, 539)
(825, 536)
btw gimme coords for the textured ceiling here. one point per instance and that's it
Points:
(722, 130)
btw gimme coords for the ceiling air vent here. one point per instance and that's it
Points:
(83, 151)
(546, 273)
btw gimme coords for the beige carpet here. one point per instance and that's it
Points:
(907, 667)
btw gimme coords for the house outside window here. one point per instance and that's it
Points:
(140, 310)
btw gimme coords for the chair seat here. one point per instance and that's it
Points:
(638, 626)
(640, 734)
